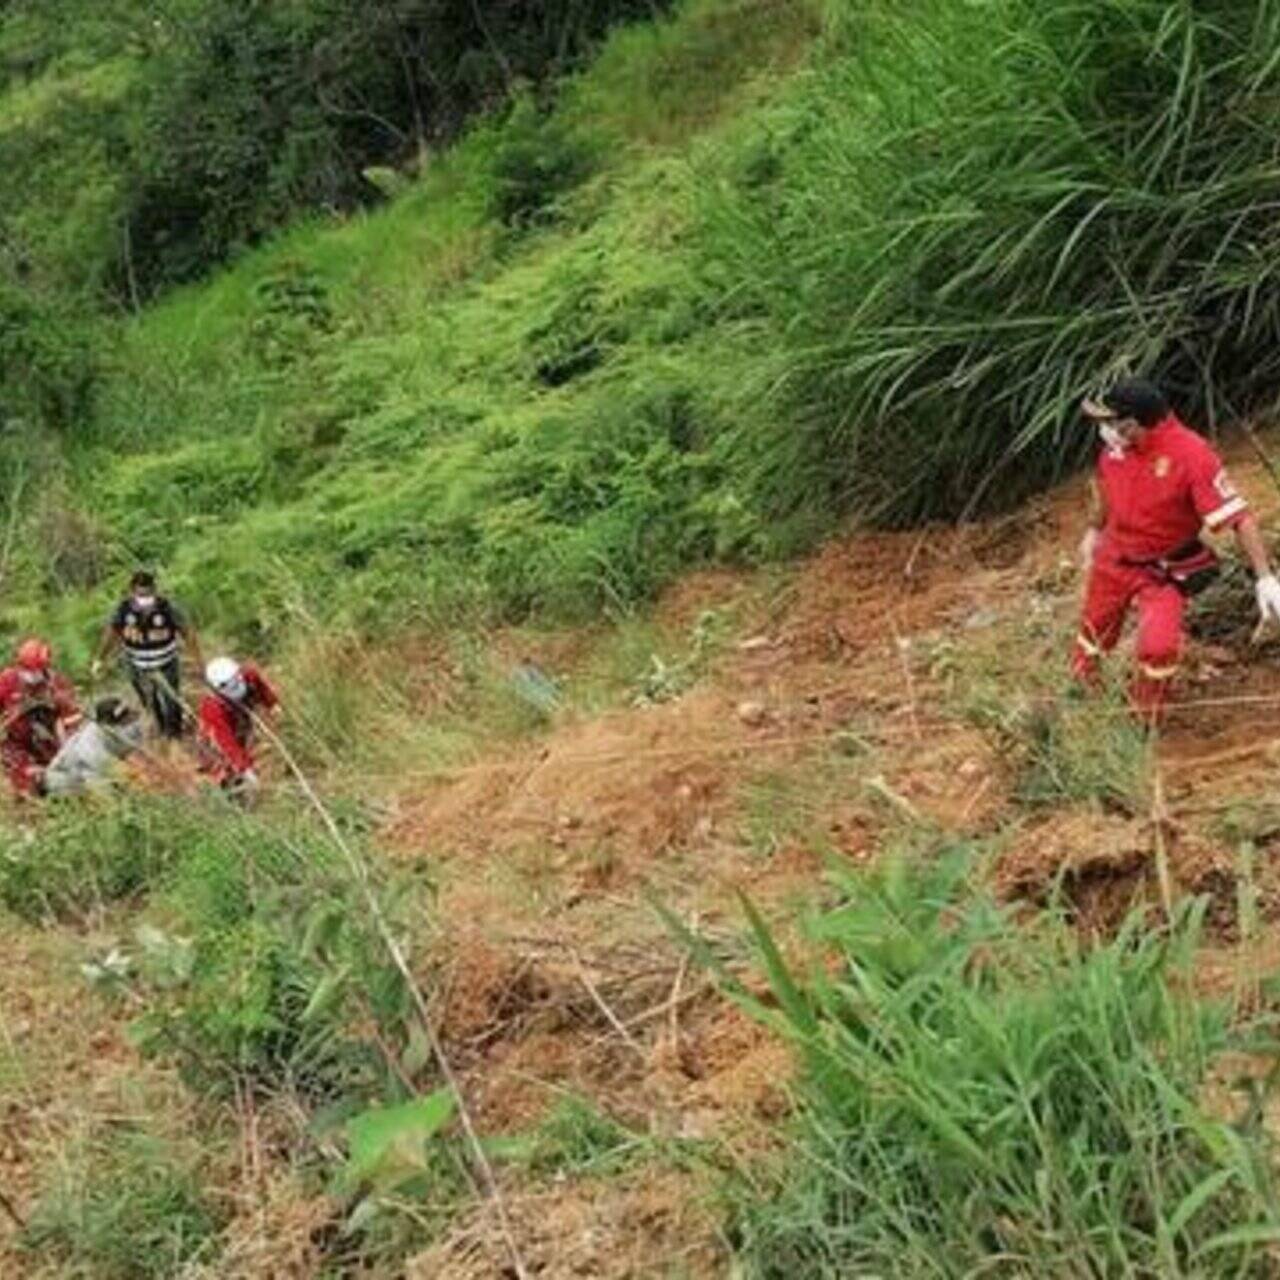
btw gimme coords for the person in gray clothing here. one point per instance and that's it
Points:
(88, 758)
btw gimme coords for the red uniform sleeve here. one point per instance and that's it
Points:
(64, 701)
(1216, 499)
(265, 695)
(10, 699)
(217, 729)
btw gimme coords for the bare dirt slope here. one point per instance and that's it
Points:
(841, 710)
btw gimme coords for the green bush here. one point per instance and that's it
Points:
(127, 1208)
(268, 974)
(48, 362)
(978, 1097)
(81, 856)
(534, 160)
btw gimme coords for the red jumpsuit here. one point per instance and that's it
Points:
(1158, 493)
(226, 727)
(31, 716)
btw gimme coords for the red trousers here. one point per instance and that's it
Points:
(1111, 590)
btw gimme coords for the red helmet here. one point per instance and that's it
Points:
(34, 655)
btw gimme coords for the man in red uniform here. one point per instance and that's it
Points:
(226, 716)
(1158, 485)
(38, 710)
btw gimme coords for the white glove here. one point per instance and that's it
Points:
(1088, 545)
(248, 780)
(1268, 592)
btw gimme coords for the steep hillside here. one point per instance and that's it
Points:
(870, 747)
(667, 864)
(761, 267)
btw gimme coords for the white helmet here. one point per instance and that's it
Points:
(224, 676)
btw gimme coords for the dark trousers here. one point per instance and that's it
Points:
(158, 692)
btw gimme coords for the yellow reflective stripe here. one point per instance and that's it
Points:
(1225, 512)
(1088, 646)
(1158, 673)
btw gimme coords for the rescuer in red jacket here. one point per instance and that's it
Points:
(226, 724)
(37, 710)
(1158, 485)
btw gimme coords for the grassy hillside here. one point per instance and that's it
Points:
(489, 397)
(761, 267)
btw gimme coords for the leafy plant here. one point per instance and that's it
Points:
(535, 160)
(391, 1163)
(281, 984)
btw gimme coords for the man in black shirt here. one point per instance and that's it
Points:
(151, 629)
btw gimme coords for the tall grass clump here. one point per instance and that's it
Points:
(977, 1098)
(128, 1207)
(973, 214)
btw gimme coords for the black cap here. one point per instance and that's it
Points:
(144, 579)
(1130, 398)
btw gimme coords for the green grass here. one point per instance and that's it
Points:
(979, 1097)
(498, 421)
(125, 1207)
(84, 857)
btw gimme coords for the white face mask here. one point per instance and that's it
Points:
(234, 690)
(32, 678)
(1112, 438)
(143, 602)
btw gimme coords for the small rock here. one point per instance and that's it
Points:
(704, 828)
(755, 644)
(752, 713)
(684, 792)
(981, 618)
(969, 769)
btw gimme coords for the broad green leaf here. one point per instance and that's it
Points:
(387, 1144)
(324, 996)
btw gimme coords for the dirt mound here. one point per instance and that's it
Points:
(868, 590)
(646, 779)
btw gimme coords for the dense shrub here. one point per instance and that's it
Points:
(47, 361)
(534, 160)
(256, 113)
